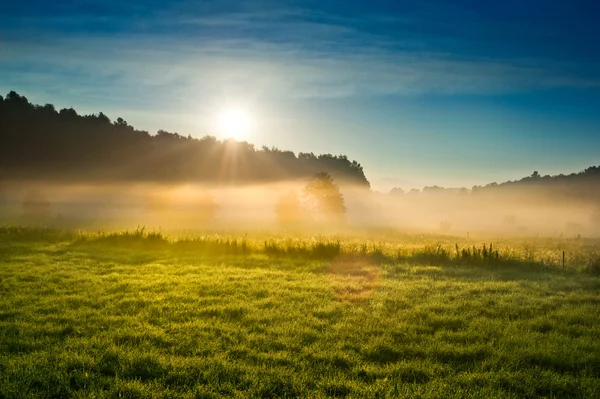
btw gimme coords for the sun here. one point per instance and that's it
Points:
(234, 123)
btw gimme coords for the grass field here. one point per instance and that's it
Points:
(138, 315)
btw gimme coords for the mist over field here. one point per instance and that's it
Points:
(254, 207)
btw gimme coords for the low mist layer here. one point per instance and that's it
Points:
(287, 206)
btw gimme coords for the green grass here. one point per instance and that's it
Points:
(137, 314)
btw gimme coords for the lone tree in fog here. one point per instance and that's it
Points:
(323, 195)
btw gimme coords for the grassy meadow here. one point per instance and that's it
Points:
(151, 315)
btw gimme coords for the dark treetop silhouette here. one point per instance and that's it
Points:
(38, 142)
(582, 187)
(323, 195)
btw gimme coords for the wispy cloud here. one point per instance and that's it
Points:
(278, 70)
(283, 52)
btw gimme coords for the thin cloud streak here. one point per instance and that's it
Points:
(279, 52)
(278, 70)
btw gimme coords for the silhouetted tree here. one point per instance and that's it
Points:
(577, 188)
(324, 196)
(433, 190)
(396, 192)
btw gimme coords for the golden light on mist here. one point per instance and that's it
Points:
(234, 123)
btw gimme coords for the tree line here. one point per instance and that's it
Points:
(581, 187)
(40, 142)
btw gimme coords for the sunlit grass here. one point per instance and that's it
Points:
(148, 314)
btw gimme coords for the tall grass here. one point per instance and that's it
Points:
(540, 255)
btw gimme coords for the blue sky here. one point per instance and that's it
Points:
(453, 93)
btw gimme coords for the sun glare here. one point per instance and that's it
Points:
(234, 124)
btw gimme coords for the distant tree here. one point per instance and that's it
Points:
(68, 113)
(35, 205)
(323, 196)
(476, 190)
(433, 190)
(289, 210)
(120, 122)
(306, 155)
(396, 192)
(49, 109)
(101, 118)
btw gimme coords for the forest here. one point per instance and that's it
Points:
(580, 187)
(40, 143)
